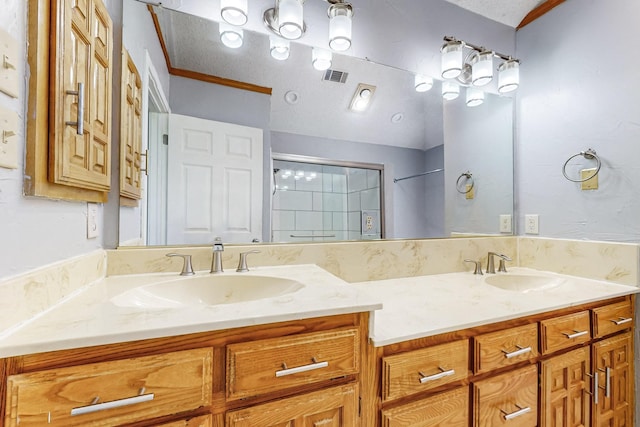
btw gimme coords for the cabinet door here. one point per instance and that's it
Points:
(332, 407)
(130, 129)
(565, 388)
(510, 399)
(203, 421)
(80, 133)
(613, 363)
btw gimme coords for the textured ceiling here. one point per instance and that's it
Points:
(508, 12)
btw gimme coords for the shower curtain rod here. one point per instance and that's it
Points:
(417, 175)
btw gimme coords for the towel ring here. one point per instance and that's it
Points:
(468, 176)
(589, 154)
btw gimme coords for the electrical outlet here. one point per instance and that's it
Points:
(92, 220)
(505, 224)
(531, 224)
(8, 139)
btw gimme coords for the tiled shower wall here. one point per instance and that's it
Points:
(327, 207)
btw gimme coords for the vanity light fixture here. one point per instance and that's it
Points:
(234, 12)
(477, 68)
(321, 58)
(279, 48)
(340, 14)
(423, 83)
(450, 90)
(475, 96)
(286, 19)
(362, 97)
(508, 76)
(231, 36)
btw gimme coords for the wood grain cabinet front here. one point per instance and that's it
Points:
(203, 421)
(424, 369)
(112, 393)
(505, 348)
(450, 409)
(263, 366)
(612, 318)
(565, 332)
(510, 399)
(331, 407)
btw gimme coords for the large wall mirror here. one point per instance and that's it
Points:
(446, 169)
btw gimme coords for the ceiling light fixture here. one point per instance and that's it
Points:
(286, 19)
(340, 14)
(321, 58)
(362, 97)
(234, 12)
(477, 68)
(422, 83)
(231, 36)
(279, 48)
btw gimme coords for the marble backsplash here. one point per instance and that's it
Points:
(351, 261)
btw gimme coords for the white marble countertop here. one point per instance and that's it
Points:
(417, 307)
(89, 317)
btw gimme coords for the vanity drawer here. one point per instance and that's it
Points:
(564, 332)
(612, 318)
(509, 399)
(203, 421)
(264, 366)
(505, 348)
(449, 409)
(126, 391)
(424, 369)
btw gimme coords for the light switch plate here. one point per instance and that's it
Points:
(92, 220)
(9, 59)
(469, 191)
(591, 183)
(8, 139)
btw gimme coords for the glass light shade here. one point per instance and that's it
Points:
(451, 59)
(475, 97)
(321, 59)
(234, 12)
(231, 36)
(508, 76)
(423, 83)
(290, 19)
(279, 48)
(450, 90)
(482, 69)
(340, 27)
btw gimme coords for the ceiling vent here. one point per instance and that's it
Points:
(335, 76)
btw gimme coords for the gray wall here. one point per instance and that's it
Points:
(434, 192)
(404, 201)
(580, 90)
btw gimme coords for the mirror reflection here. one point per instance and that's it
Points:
(307, 114)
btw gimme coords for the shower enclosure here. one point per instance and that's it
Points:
(317, 199)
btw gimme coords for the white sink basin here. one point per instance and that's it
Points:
(522, 283)
(206, 290)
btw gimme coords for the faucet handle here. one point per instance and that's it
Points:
(187, 268)
(478, 266)
(217, 245)
(242, 264)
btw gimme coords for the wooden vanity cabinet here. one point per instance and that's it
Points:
(183, 381)
(535, 371)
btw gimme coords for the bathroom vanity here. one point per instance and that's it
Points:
(447, 349)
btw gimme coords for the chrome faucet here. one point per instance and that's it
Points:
(242, 264)
(501, 267)
(216, 260)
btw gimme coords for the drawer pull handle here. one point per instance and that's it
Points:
(519, 352)
(290, 371)
(520, 411)
(443, 373)
(575, 334)
(79, 123)
(97, 407)
(623, 320)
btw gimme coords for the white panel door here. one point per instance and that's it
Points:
(214, 181)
